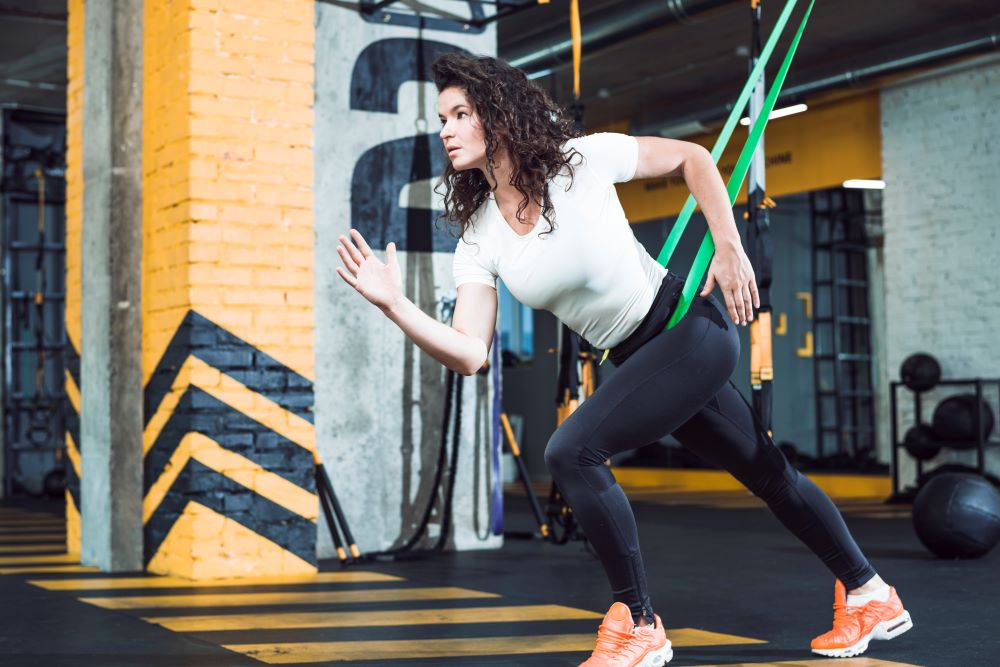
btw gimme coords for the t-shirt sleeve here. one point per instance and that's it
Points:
(614, 156)
(472, 264)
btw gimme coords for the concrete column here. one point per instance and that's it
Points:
(379, 399)
(111, 370)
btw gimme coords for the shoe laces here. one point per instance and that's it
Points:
(844, 614)
(611, 641)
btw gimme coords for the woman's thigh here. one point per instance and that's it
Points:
(661, 386)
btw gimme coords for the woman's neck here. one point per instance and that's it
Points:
(507, 196)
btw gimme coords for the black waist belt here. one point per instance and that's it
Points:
(655, 321)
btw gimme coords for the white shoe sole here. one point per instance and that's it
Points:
(659, 657)
(884, 630)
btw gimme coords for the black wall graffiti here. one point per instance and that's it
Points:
(381, 173)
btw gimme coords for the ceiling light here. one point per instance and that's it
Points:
(778, 113)
(863, 184)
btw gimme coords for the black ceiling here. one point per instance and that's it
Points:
(655, 75)
(657, 72)
(33, 54)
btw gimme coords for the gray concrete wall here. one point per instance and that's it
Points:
(942, 249)
(379, 399)
(111, 363)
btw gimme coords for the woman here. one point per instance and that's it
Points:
(536, 206)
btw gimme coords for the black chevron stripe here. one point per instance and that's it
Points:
(199, 412)
(72, 360)
(232, 355)
(72, 420)
(203, 485)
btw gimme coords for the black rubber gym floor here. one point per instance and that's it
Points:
(732, 586)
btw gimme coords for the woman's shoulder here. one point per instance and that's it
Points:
(478, 227)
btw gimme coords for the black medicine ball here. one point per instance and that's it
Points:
(920, 371)
(955, 420)
(957, 515)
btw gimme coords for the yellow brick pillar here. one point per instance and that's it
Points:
(227, 296)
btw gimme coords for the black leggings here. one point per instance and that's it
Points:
(678, 382)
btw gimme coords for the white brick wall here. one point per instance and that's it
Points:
(941, 164)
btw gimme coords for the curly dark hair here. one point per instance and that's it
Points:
(516, 114)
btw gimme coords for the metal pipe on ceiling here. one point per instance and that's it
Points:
(602, 28)
(700, 121)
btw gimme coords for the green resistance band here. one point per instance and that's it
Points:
(704, 256)
(727, 130)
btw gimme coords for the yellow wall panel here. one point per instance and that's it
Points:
(817, 149)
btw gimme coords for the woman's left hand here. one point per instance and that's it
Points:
(732, 272)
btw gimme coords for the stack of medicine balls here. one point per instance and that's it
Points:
(955, 514)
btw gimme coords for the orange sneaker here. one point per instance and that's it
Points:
(854, 627)
(621, 644)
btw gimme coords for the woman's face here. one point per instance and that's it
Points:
(461, 131)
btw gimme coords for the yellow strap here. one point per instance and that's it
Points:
(574, 24)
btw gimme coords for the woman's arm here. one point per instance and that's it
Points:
(730, 268)
(462, 347)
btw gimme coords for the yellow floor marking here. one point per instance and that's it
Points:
(33, 537)
(837, 486)
(28, 559)
(27, 520)
(696, 637)
(108, 583)
(47, 569)
(288, 598)
(276, 654)
(351, 619)
(56, 547)
(822, 662)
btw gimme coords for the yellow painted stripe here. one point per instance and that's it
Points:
(838, 487)
(235, 394)
(72, 391)
(33, 537)
(257, 406)
(47, 569)
(165, 409)
(109, 583)
(73, 453)
(24, 521)
(58, 547)
(822, 662)
(237, 468)
(287, 598)
(301, 652)
(351, 619)
(39, 560)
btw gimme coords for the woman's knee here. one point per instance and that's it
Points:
(774, 477)
(560, 455)
(566, 451)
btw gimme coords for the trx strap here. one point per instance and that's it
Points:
(574, 26)
(496, 444)
(704, 256)
(707, 248)
(760, 250)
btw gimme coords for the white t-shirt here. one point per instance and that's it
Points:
(590, 271)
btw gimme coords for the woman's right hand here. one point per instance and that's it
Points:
(380, 283)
